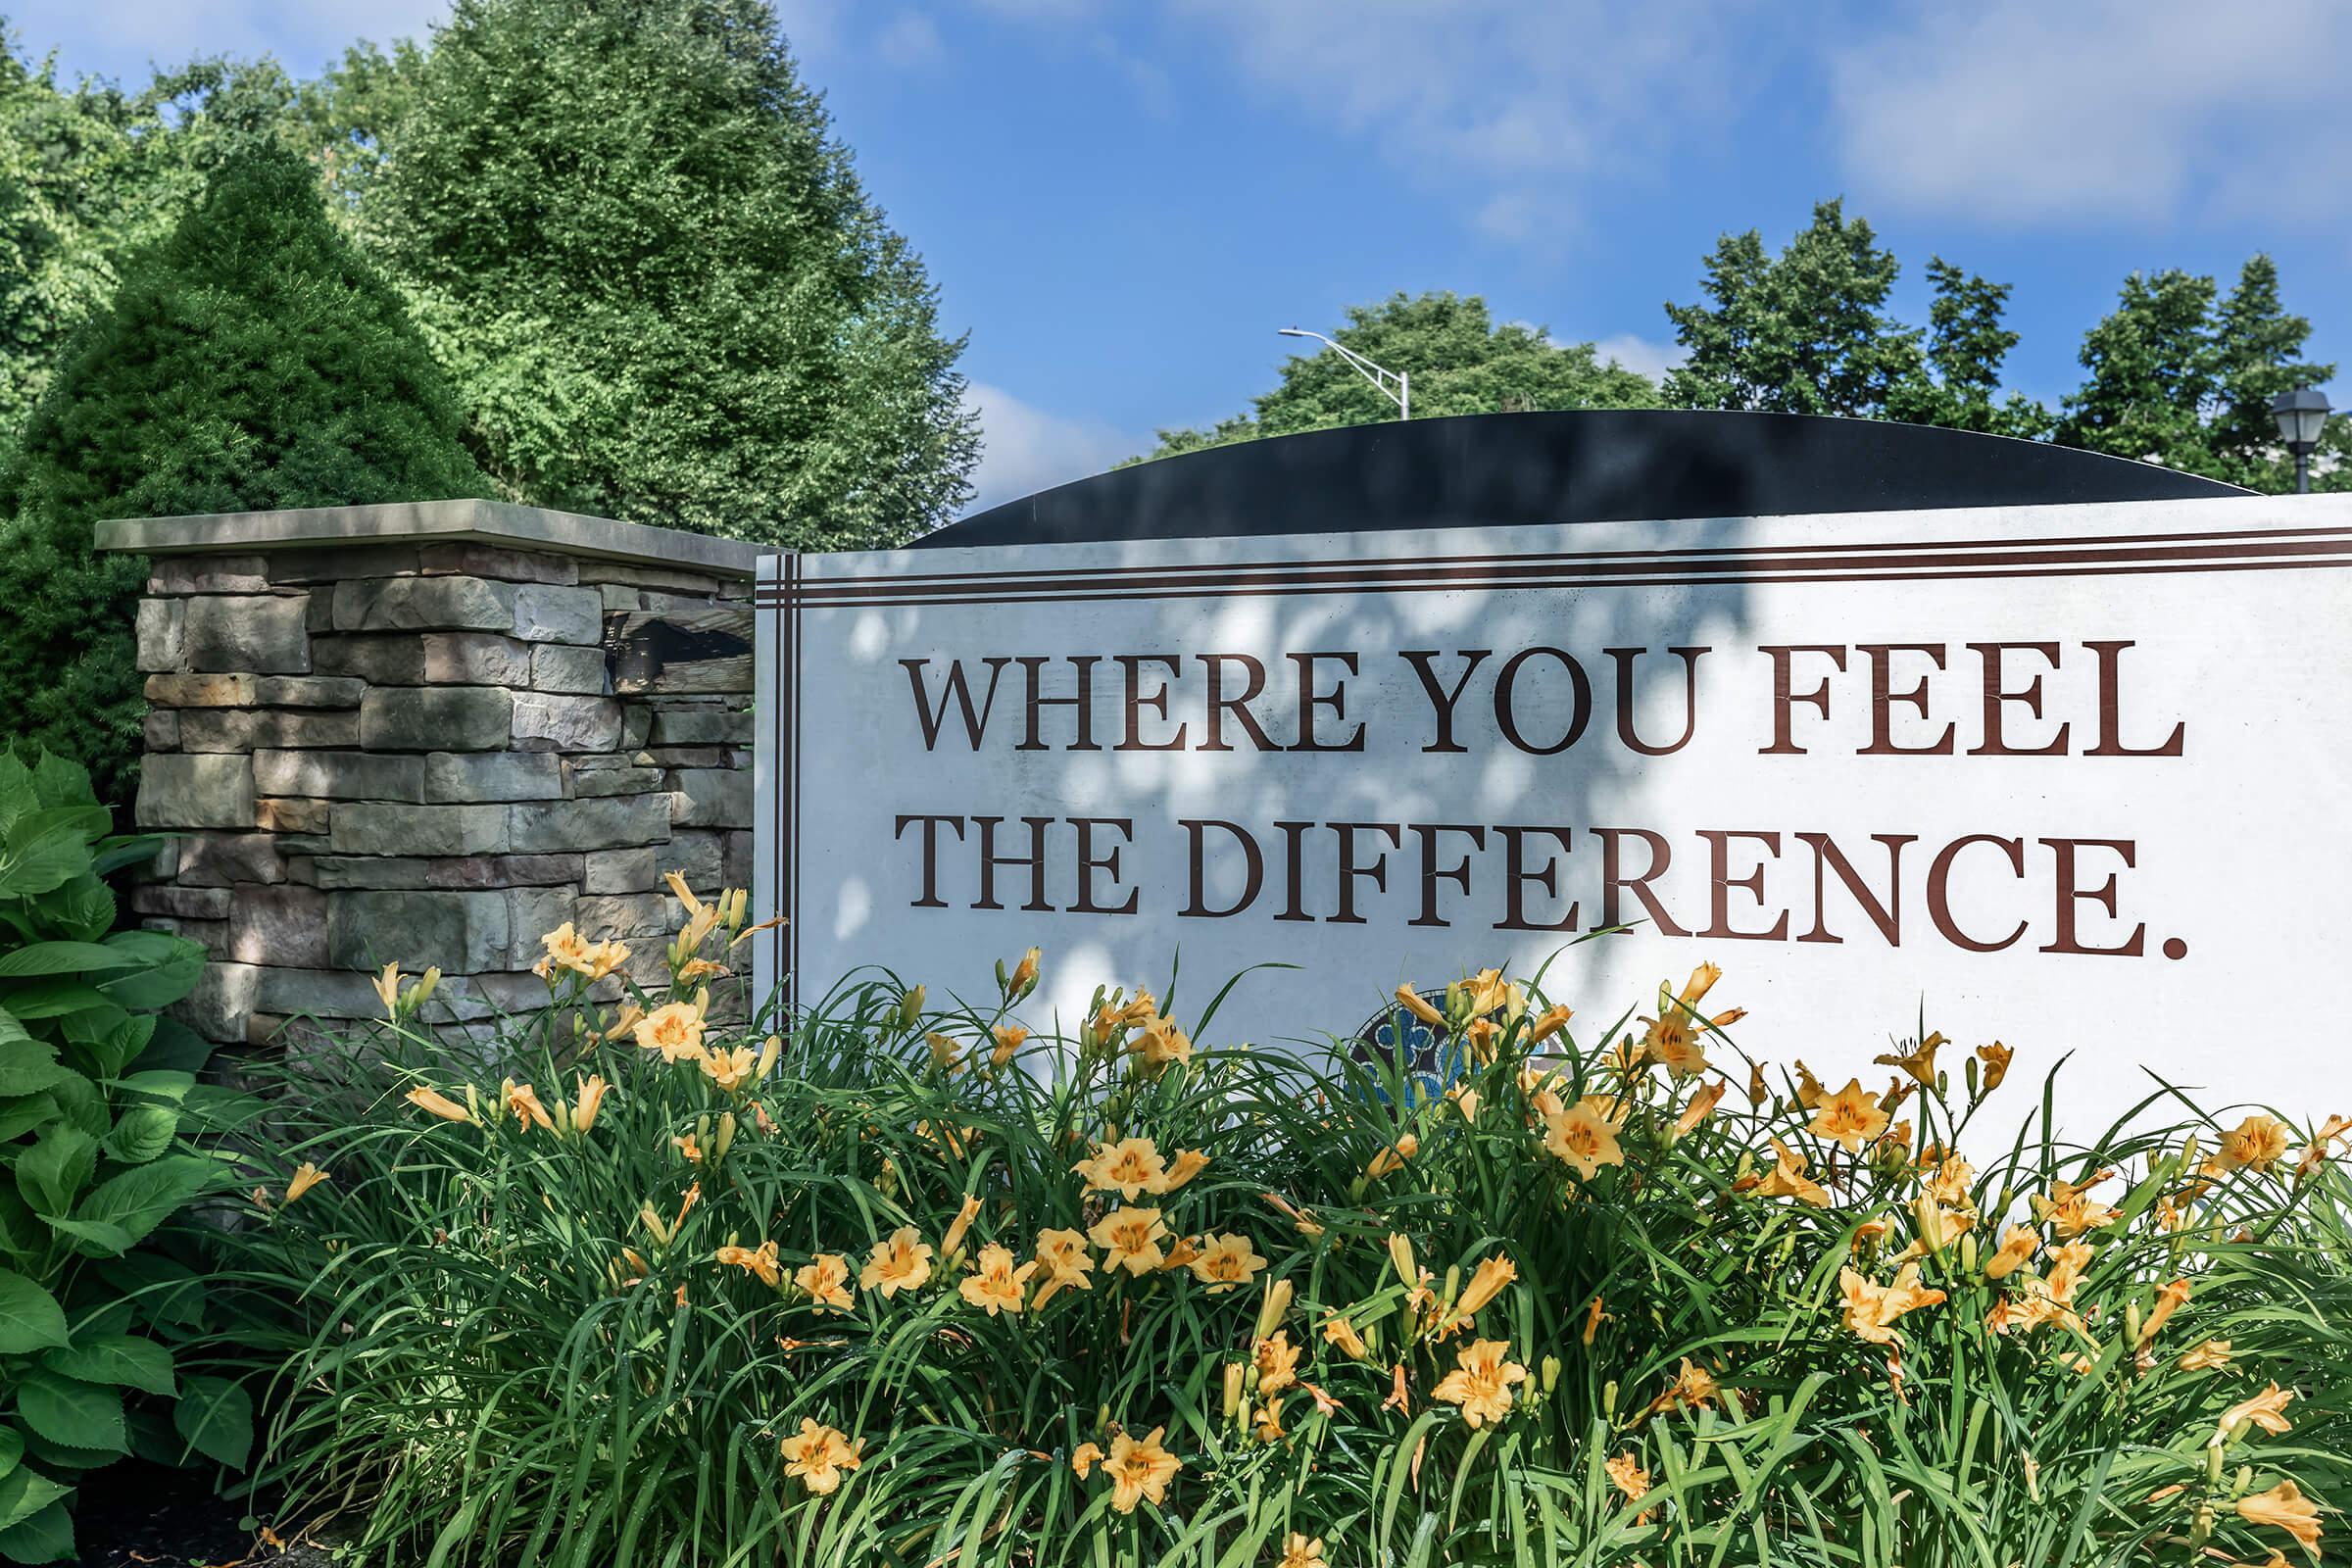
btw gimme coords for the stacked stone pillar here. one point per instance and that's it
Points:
(428, 734)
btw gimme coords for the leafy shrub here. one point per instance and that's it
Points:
(252, 360)
(910, 1287)
(96, 1092)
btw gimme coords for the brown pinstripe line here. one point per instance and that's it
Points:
(1044, 574)
(1628, 573)
(1245, 591)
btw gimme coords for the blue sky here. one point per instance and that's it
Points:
(1121, 200)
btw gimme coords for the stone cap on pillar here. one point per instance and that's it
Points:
(499, 523)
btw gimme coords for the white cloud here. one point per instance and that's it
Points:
(1511, 103)
(122, 38)
(1642, 355)
(1024, 449)
(909, 41)
(2134, 109)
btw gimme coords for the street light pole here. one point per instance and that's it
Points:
(2302, 416)
(1401, 394)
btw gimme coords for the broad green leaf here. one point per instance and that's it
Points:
(215, 1416)
(140, 1200)
(26, 1065)
(162, 1083)
(49, 999)
(29, 1317)
(65, 958)
(44, 1535)
(12, 1450)
(124, 1359)
(67, 1410)
(21, 1113)
(52, 1173)
(42, 864)
(92, 1237)
(116, 854)
(83, 909)
(81, 1103)
(175, 1048)
(167, 973)
(143, 1133)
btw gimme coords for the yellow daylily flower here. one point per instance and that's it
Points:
(1140, 1470)
(759, 1262)
(1418, 1006)
(1550, 1021)
(1161, 1044)
(1226, 1261)
(901, 1263)
(1392, 1157)
(2017, 1249)
(1920, 1063)
(826, 1280)
(674, 1029)
(2256, 1144)
(1301, 1551)
(962, 1222)
(2284, 1508)
(999, 1285)
(1481, 1381)
(1337, 1330)
(2267, 1410)
(1277, 1362)
(1062, 1257)
(1788, 1178)
(1582, 1138)
(306, 1176)
(1084, 1457)
(1851, 1116)
(1009, 1038)
(818, 1456)
(1188, 1163)
(1129, 1167)
(1871, 1309)
(523, 1102)
(2206, 1355)
(730, 1069)
(1995, 1058)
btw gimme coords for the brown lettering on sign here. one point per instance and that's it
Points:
(2070, 894)
(1196, 905)
(1220, 704)
(1311, 699)
(1293, 853)
(1506, 715)
(1516, 877)
(1089, 863)
(1442, 702)
(2111, 710)
(1624, 659)
(1614, 881)
(1885, 914)
(1784, 694)
(1720, 883)
(1997, 694)
(1033, 861)
(1939, 891)
(1138, 700)
(1082, 703)
(931, 825)
(1884, 696)
(1433, 873)
(931, 716)
(1351, 870)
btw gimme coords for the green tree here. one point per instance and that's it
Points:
(651, 272)
(1958, 384)
(1802, 333)
(1460, 363)
(252, 360)
(2183, 375)
(90, 174)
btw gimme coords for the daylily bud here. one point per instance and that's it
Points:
(726, 1136)
(1400, 1253)
(910, 1007)
(768, 1053)
(1277, 1302)
(1608, 1398)
(956, 1229)
(1453, 1286)
(1550, 1370)
(1233, 1373)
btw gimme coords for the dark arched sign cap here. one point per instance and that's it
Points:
(1594, 466)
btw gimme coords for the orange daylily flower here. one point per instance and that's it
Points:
(1481, 1381)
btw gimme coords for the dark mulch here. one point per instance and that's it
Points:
(138, 1515)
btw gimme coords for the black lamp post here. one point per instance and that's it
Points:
(2300, 413)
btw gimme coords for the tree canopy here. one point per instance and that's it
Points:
(251, 359)
(653, 273)
(1459, 361)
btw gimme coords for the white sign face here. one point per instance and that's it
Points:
(2069, 777)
